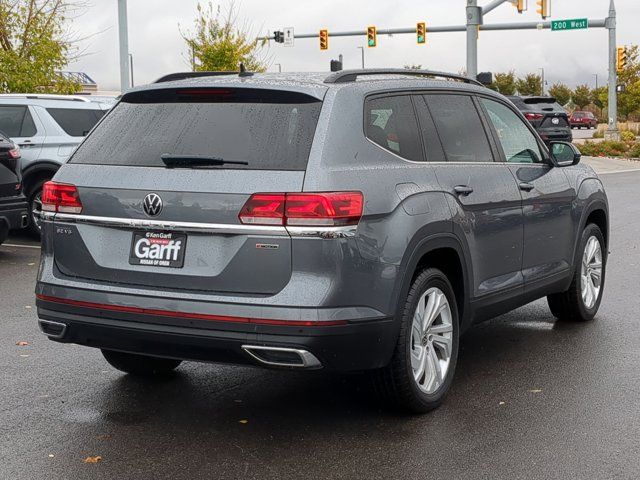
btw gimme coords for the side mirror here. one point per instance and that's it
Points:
(564, 154)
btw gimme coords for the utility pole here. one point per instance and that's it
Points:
(542, 80)
(131, 64)
(124, 45)
(362, 48)
(474, 19)
(612, 132)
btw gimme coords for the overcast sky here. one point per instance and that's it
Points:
(158, 48)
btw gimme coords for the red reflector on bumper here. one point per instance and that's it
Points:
(192, 316)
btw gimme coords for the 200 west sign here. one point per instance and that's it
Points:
(571, 24)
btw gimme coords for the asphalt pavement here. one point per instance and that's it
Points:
(532, 399)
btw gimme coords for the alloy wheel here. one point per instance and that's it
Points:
(431, 340)
(591, 272)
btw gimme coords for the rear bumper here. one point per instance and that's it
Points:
(14, 213)
(342, 346)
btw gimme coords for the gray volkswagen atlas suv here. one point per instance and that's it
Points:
(358, 222)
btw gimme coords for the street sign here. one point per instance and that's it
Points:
(572, 24)
(288, 36)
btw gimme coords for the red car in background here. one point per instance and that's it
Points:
(583, 119)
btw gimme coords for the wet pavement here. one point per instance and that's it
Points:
(532, 398)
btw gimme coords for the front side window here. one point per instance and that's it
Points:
(391, 123)
(459, 127)
(518, 143)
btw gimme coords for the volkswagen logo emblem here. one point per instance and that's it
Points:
(152, 205)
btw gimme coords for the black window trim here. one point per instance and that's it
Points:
(394, 93)
(546, 160)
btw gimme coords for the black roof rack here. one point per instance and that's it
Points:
(346, 76)
(184, 75)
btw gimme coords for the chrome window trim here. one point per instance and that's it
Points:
(220, 228)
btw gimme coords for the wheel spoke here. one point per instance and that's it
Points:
(435, 363)
(444, 344)
(421, 366)
(438, 304)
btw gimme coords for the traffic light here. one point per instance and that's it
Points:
(324, 39)
(421, 33)
(521, 5)
(621, 59)
(544, 8)
(278, 36)
(372, 37)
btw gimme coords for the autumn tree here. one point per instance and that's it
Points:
(561, 93)
(504, 83)
(34, 46)
(581, 96)
(218, 43)
(529, 85)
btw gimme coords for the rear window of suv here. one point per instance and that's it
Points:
(74, 121)
(268, 129)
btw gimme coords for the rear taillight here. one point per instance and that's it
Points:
(14, 153)
(533, 116)
(60, 197)
(326, 209)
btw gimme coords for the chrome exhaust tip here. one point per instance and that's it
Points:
(283, 357)
(53, 329)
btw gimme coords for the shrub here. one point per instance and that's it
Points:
(604, 149)
(634, 151)
(627, 136)
(598, 134)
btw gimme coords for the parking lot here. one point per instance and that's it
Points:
(531, 399)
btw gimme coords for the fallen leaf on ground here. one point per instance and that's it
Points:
(22, 344)
(51, 455)
(535, 390)
(30, 264)
(501, 403)
(27, 306)
(243, 421)
(93, 459)
(24, 355)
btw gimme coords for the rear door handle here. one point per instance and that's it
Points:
(527, 187)
(463, 190)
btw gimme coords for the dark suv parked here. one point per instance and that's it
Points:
(13, 205)
(547, 116)
(361, 221)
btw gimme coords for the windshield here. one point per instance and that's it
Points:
(253, 129)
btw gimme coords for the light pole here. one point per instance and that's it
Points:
(542, 79)
(131, 65)
(362, 49)
(124, 45)
(596, 75)
(279, 67)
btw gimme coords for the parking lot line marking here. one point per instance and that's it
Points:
(14, 245)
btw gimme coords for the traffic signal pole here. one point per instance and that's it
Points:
(612, 132)
(475, 24)
(123, 36)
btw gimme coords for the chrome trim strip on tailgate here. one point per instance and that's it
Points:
(220, 228)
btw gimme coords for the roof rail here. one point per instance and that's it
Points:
(172, 77)
(46, 96)
(346, 76)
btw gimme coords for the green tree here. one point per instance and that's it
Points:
(413, 66)
(530, 84)
(582, 96)
(34, 46)
(219, 44)
(504, 83)
(560, 92)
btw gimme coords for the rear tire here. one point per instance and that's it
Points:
(581, 302)
(35, 204)
(140, 365)
(423, 364)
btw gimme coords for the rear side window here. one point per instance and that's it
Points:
(75, 122)
(268, 129)
(391, 123)
(459, 127)
(16, 121)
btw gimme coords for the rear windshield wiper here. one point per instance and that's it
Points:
(195, 161)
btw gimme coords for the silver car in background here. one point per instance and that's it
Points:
(47, 128)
